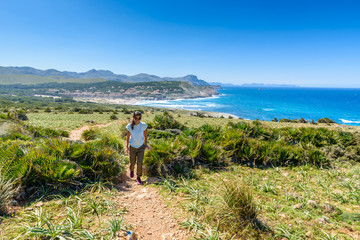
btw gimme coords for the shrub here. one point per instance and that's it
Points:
(253, 130)
(279, 154)
(166, 121)
(302, 120)
(113, 117)
(89, 134)
(21, 116)
(286, 120)
(64, 133)
(112, 141)
(210, 132)
(325, 120)
(312, 155)
(98, 160)
(238, 207)
(8, 190)
(126, 111)
(86, 111)
(55, 161)
(157, 134)
(159, 156)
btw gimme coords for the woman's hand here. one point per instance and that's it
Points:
(147, 147)
(128, 150)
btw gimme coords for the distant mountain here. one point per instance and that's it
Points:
(96, 74)
(254, 85)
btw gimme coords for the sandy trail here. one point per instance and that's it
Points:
(147, 212)
(75, 135)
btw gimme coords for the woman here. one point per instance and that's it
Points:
(137, 138)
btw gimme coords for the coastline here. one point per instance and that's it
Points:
(140, 102)
(120, 101)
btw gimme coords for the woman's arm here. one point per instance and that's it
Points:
(145, 139)
(127, 141)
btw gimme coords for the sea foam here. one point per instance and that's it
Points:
(349, 121)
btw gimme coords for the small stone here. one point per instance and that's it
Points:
(294, 195)
(323, 220)
(312, 203)
(149, 233)
(298, 206)
(38, 204)
(328, 208)
(282, 215)
(308, 234)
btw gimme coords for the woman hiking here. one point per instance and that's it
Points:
(137, 138)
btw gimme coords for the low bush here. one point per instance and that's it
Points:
(89, 134)
(8, 190)
(157, 134)
(286, 120)
(238, 208)
(44, 161)
(113, 117)
(165, 121)
(325, 120)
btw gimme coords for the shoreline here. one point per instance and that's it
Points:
(215, 114)
(135, 102)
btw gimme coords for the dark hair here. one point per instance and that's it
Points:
(137, 113)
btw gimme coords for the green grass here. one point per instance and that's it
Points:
(66, 121)
(33, 79)
(316, 196)
(290, 186)
(87, 214)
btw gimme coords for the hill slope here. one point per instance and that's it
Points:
(92, 74)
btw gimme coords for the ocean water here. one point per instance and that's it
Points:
(340, 105)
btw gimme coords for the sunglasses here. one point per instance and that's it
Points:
(137, 118)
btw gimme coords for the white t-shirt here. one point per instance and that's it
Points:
(137, 134)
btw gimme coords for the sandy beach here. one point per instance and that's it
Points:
(134, 101)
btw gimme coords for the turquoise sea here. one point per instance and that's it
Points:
(340, 105)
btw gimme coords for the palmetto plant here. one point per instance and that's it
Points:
(8, 189)
(192, 224)
(289, 234)
(116, 226)
(238, 205)
(209, 234)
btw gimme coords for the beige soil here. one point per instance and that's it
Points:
(76, 134)
(147, 212)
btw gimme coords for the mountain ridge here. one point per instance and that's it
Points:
(96, 74)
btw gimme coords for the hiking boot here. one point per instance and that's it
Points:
(138, 180)
(131, 174)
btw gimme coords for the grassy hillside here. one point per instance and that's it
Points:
(227, 178)
(33, 79)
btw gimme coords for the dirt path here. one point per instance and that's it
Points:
(147, 212)
(76, 134)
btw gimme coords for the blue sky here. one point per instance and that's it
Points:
(307, 43)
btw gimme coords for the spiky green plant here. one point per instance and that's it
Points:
(238, 206)
(8, 190)
(90, 134)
